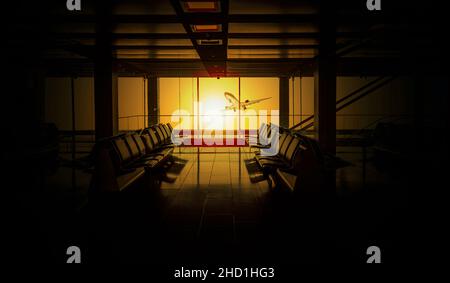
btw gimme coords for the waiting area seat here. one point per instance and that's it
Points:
(297, 165)
(123, 159)
(163, 134)
(308, 171)
(262, 138)
(289, 146)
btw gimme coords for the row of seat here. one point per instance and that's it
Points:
(123, 159)
(297, 163)
(263, 137)
(289, 146)
(308, 171)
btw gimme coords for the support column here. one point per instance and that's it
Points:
(105, 79)
(284, 102)
(419, 108)
(152, 101)
(325, 82)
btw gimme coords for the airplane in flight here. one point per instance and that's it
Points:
(243, 105)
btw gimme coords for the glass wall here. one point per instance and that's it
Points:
(132, 97)
(213, 110)
(220, 104)
(177, 97)
(265, 93)
(301, 101)
(58, 103)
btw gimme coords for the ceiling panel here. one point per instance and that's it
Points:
(156, 54)
(290, 34)
(272, 41)
(272, 27)
(73, 28)
(61, 54)
(146, 7)
(148, 28)
(270, 53)
(156, 42)
(272, 7)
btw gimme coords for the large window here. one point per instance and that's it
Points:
(265, 93)
(132, 97)
(210, 108)
(177, 101)
(58, 103)
(301, 101)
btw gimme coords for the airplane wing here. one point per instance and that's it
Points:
(229, 99)
(232, 100)
(254, 101)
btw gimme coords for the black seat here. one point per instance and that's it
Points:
(152, 145)
(132, 153)
(163, 136)
(121, 160)
(263, 139)
(285, 158)
(283, 143)
(305, 175)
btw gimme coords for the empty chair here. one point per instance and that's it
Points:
(125, 158)
(170, 127)
(168, 131)
(290, 146)
(164, 137)
(304, 176)
(154, 144)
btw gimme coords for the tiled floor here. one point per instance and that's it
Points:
(213, 193)
(210, 207)
(207, 206)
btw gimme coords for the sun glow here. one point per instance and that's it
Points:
(213, 114)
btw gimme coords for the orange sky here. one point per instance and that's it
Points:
(181, 93)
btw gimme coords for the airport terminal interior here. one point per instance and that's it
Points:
(230, 131)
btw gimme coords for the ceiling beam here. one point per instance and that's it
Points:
(256, 67)
(214, 18)
(217, 35)
(190, 47)
(214, 57)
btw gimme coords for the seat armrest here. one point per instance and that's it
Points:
(290, 170)
(126, 170)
